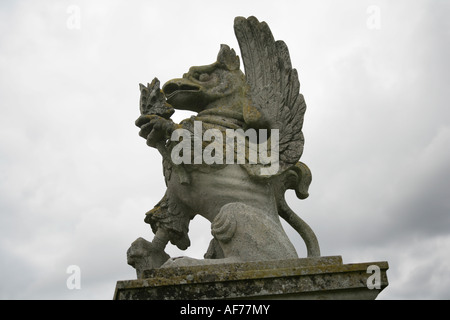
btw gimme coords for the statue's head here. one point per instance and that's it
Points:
(203, 85)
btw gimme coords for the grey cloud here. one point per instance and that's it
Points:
(77, 179)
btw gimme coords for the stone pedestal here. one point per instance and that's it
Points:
(306, 278)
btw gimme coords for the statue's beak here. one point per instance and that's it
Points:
(184, 94)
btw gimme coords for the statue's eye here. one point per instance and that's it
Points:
(204, 77)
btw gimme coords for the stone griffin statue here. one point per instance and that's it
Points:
(243, 199)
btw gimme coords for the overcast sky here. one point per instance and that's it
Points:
(76, 179)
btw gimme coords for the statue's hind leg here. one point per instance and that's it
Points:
(243, 233)
(251, 234)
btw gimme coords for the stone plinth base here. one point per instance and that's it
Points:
(306, 278)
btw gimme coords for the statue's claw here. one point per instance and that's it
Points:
(155, 128)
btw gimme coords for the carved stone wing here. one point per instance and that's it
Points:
(274, 87)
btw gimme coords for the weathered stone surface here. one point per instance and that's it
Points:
(307, 278)
(239, 188)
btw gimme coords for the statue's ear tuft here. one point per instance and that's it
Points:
(228, 58)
